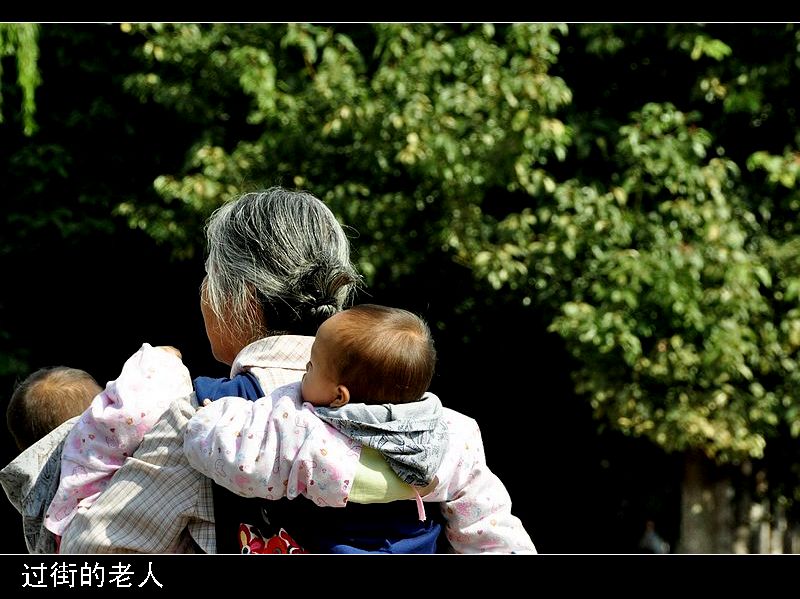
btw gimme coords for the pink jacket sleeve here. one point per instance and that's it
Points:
(475, 504)
(110, 430)
(273, 447)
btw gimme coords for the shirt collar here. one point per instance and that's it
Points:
(289, 352)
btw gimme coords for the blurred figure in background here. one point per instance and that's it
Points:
(651, 541)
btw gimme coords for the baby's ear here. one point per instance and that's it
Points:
(342, 397)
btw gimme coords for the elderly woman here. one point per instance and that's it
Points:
(278, 265)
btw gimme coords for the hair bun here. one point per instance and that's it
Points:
(323, 310)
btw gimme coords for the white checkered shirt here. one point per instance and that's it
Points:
(158, 503)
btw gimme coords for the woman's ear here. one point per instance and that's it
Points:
(342, 397)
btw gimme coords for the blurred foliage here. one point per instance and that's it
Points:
(19, 40)
(669, 251)
(667, 272)
(404, 131)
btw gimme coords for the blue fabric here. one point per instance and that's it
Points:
(242, 385)
(411, 537)
(357, 528)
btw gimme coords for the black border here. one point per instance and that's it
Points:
(406, 12)
(451, 576)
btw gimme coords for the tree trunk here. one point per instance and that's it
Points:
(707, 516)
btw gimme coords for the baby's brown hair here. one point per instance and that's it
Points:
(385, 355)
(46, 399)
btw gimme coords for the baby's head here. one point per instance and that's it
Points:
(370, 354)
(46, 399)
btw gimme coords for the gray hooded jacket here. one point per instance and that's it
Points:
(31, 481)
(412, 437)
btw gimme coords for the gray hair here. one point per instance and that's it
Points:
(281, 252)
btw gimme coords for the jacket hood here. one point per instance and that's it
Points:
(30, 482)
(412, 437)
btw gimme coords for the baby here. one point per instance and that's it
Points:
(46, 399)
(113, 426)
(367, 378)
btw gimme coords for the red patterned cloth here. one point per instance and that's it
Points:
(252, 541)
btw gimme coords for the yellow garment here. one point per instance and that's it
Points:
(376, 482)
